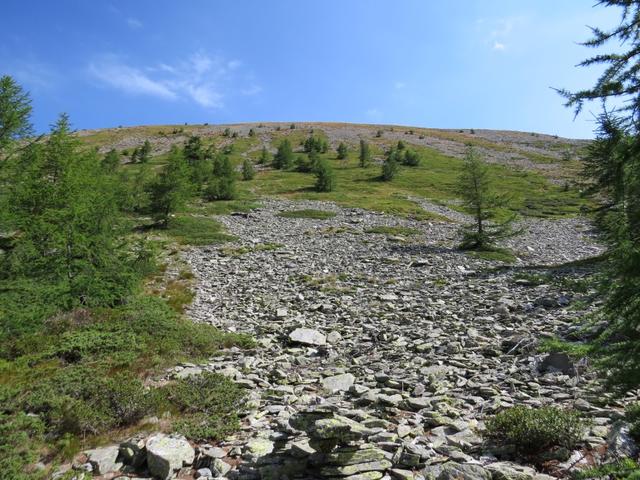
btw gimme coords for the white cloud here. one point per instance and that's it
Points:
(129, 79)
(201, 78)
(499, 46)
(134, 23)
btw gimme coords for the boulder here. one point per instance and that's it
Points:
(308, 336)
(510, 471)
(104, 459)
(620, 442)
(558, 362)
(463, 471)
(338, 383)
(168, 453)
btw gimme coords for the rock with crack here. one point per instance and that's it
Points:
(166, 454)
(104, 459)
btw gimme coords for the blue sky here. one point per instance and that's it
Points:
(465, 64)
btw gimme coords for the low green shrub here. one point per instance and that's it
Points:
(632, 414)
(21, 437)
(626, 469)
(209, 404)
(533, 431)
(308, 213)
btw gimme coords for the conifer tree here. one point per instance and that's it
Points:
(365, 154)
(390, 166)
(342, 151)
(479, 197)
(172, 188)
(283, 158)
(325, 178)
(64, 205)
(613, 163)
(15, 113)
(111, 161)
(248, 172)
(264, 156)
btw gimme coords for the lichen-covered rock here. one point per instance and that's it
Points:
(104, 459)
(166, 454)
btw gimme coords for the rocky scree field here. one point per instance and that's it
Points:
(382, 350)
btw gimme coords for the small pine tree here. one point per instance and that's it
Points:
(401, 145)
(342, 151)
(111, 161)
(144, 152)
(411, 158)
(379, 134)
(248, 172)
(303, 164)
(171, 189)
(365, 154)
(264, 156)
(325, 178)
(292, 126)
(252, 132)
(478, 196)
(226, 132)
(390, 165)
(283, 158)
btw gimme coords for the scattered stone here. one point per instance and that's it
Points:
(166, 454)
(338, 383)
(308, 336)
(104, 460)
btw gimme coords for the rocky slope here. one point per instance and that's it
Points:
(381, 356)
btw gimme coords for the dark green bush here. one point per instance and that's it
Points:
(209, 404)
(223, 188)
(533, 431)
(632, 414)
(21, 437)
(325, 178)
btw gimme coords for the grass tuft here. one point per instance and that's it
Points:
(308, 213)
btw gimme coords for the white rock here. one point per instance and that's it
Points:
(308, 336)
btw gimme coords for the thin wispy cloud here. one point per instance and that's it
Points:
(129, 79)
(201, 78)
(399, 85)
(499, 46)
(134, 23)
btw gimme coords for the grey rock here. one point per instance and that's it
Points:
(166, 454)
(308, 336)
(620, 442)
(338, 383)
(104, 460)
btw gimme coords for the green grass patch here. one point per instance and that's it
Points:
(529, 193)
(188, 230)
(308, 213)
(575, 350)
(386, 230)
(223, 207)
(503, 255)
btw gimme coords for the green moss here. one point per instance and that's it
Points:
(188, 230)
(308, 213)
(494, 255)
